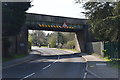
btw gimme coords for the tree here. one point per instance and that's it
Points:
(60, 39)
(68, 36)
(52, 40)
(69, 45)
(104, 20)
(38, 38)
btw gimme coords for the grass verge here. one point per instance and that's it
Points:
(16, 56)
(44, 46)
(69, 49)
(113, 63)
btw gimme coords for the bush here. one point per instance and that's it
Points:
(69, 45)
(104, 51)
(53, 45)
(52, 42)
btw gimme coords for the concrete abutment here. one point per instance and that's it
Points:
(80, 38)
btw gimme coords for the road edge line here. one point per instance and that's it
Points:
(85, 74)
(88, 71)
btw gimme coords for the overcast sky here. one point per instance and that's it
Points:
(66, 8)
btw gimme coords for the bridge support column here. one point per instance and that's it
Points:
(22, 41)
(80, 41)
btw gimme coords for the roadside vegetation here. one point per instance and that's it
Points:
(15, 56)
(103, 18)
(104, 21)
(69, 50)
(62, 40)
(114, 63)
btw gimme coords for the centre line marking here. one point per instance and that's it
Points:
(47, 66)
(52, 63)
(27, 76)
(43, 68)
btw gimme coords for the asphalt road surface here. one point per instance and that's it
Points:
(50, 63)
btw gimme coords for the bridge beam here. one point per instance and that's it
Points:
(80, 37)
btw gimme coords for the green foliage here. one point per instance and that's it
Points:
(104, 18)
(61, 40)
(52, 40)
(38, 38)
(112, 50)
(104, 51)
(69, 45)
(117, 9)
(68, 36)
(16, 56)
(30, 39)
(52, 44)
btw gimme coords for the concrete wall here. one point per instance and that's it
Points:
(32, 17)
(22, 41)
(12, 49)
(80, 41)
(19, 42)
(95, 47)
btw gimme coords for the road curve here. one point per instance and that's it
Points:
(51, 63)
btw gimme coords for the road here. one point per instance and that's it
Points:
(50, 63)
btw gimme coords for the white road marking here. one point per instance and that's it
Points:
(88, 71)
(53, 62)
(42, 68)
(93, 74)
(27, 76)
(85, 76)
(47, 66)
(101, 64)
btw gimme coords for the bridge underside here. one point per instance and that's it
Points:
(80, 35)
(37, 27)
(53, 23)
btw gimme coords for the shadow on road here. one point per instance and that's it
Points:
(72, 55)
(46, 66)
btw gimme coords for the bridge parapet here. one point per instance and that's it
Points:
(49, 21)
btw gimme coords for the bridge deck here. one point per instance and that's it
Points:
(54, 23)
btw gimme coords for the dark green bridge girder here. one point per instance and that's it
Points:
(54, 23)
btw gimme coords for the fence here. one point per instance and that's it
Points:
(112, 50)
